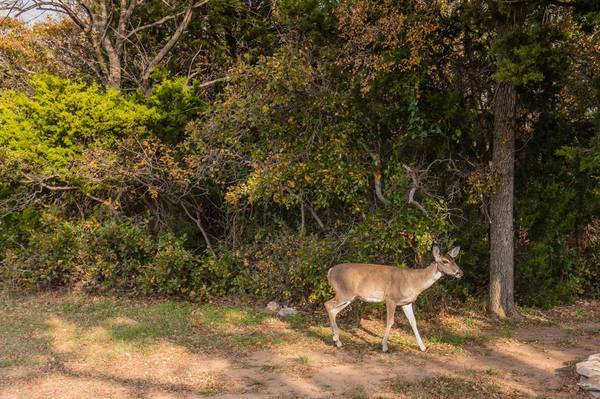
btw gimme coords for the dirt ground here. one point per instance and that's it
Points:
(80, 346)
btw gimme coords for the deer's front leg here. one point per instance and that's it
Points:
(408, 311)
(390, 312)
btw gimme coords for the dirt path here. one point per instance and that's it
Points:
(87, 347)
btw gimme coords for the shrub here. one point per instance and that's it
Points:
(101, 255)
(172, 269)
(48, 261)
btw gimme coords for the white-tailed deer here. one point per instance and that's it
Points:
(389, 284)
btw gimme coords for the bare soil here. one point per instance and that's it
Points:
(70, 346)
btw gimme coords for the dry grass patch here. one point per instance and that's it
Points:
(450, 387)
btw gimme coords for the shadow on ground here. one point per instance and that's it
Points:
(63, 345)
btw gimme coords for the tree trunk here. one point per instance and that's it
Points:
(501, 300)
(502, 248)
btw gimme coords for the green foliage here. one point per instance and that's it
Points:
(171, 270)
(45, 132)
(49, 259)
(222, 275)
(176, 103)
(292, 267)
(268, 115)
(295, 158)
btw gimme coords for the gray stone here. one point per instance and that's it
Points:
(286, 312)
(273, 306)
(588, 368)
(590, 384)
(595, 357)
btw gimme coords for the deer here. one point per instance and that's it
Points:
(390, 284)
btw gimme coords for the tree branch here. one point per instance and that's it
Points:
(172, 41)
(196, 220)
(310, 208)
(412, 174)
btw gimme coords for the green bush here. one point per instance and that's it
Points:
(114, 254)
(222, 275)
(171, 270)
(292, 267)
(48, 261)
(99, 254)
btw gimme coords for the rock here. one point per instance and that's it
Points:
(273, 306)
(590, 371)
(588, 368)
(595, 357)
(590, 384)
(286, 312)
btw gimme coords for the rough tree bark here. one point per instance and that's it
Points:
(502, 249)
(501, 295)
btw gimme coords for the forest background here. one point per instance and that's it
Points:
(208, 148)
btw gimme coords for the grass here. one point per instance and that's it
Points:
(357, 393)
(130, 338)
(34, 323)
(221, 328)
(451, 387)
(302, 360)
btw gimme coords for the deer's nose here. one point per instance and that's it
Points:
(458, 274)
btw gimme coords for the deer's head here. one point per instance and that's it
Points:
(445, 263)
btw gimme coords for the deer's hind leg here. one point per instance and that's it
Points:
(390, 314)
(333, 307)
(408, 311)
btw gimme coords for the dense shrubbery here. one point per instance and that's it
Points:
(306, 155)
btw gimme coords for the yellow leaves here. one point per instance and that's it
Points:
(265, 108)
(153, 191)
(231, 197)
(291, 184)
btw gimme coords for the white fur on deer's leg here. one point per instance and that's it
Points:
(333, 308)
(408, 311)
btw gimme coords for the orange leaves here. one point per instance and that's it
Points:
(384, 36)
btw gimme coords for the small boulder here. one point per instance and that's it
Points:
(590, 375)
(273, 306)
(588, 368)
(590, 384)
(287, 312)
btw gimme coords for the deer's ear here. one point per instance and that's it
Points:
(436, 252)
(454, 252)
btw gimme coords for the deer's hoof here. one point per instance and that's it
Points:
(385, 349)
(423, 349)
(338, 343)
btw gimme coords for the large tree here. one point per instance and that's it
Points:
(502, 248)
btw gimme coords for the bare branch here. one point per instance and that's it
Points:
(310, 208)
(377, 176)
(172, 41)
(153, 24)
(213, 82)
(413, 175)
(196, 220)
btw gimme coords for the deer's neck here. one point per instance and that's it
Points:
(429, 276)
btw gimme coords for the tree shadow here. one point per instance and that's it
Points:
(227, 333)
